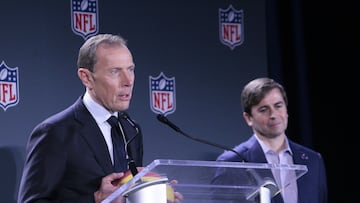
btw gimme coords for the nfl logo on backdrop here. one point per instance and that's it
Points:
(84, 17)
(162, 94)
(9, 86)
(231, 26)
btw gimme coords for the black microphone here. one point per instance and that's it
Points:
(131, 162)
(165, 120)
(126, 116)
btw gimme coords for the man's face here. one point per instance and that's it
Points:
(113, 77)
(269, 118)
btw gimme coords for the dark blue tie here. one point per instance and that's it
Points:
(120, 163)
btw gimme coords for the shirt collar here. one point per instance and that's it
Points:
(99, 113)
(267, 149)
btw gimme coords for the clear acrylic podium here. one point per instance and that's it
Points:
(206, 181)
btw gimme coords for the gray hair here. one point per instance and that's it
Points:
(87, 52)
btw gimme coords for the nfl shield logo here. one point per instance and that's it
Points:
(84, 17)
(9, 86)
(231, 27)
(162, 94)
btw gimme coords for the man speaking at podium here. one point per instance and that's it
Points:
(70, 155)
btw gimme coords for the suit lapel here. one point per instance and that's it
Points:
(300, 157)
(255, 153)
(93, 136)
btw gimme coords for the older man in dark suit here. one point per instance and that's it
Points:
(70, 155)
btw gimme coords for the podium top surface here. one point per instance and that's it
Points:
(213, 179)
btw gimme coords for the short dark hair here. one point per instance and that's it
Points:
(256, 90)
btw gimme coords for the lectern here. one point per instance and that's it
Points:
(205, 181)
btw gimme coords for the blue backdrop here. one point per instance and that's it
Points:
(180, 39)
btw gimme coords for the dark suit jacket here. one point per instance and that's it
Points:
(67, 157)
(312, 187)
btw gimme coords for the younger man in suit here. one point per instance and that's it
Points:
(264, 103)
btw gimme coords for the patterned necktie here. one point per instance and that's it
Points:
(120, 163)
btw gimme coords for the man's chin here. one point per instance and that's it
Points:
(123, 106)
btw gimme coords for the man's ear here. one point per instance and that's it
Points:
(247, 118)
(85, 76)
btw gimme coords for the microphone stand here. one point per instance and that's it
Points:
(130, 160)
(165, 120)
(269, 187)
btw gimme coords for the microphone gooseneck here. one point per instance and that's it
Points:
(132, 123)
(131, 162)
(165, 120)
(125, 115)
(267, 182)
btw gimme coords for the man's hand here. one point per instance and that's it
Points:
(177, 195)
(108, 185)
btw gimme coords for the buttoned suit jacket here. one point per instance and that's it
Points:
(312, 186)
(67, 157)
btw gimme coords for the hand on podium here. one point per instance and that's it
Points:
(172, 196)
(178, 197)
(108, 186)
